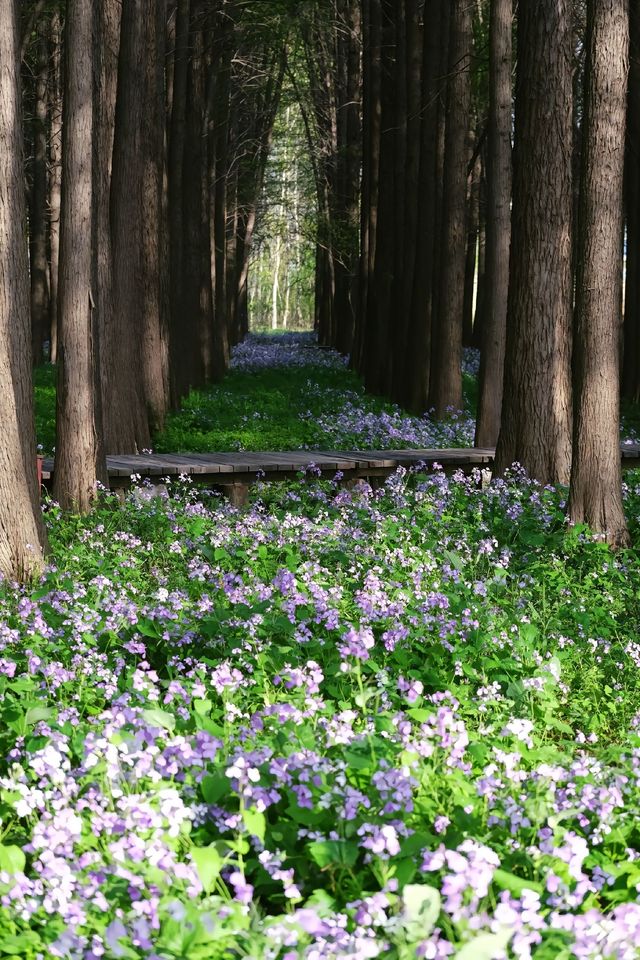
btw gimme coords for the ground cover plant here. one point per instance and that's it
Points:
(344, 722)
(285, 393)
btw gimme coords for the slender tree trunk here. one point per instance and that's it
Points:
(379, 298)
(471, 257)
(38, 211)
(446, 387)
(370, 168)
(536, 407)
(498, 229)
(631, 363)
(419, 332)
(22, 536)
(197, 313)
(154, 320)
(177, 138)
(596, 482)
(55, 174)
(79, 459)
(105, 82)
(125, 411)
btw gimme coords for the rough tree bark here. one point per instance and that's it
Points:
(55, 173)
(38, 204)
(536, 407)
(126, 423)
(79, 456)
(595, 494)
(153, 319)
(498, 225)
(177, 133)
(446, 386)
(631, 363)
(22, 536)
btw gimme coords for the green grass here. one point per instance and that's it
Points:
(278, 408)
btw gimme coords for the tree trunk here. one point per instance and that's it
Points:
(197, 311)
(177, 136)
(596, 481)
(536, 408)
(471, 257)
(55, 175)
(446, 387)
(105, 82)
(419, 331)
(22, 536)
(125, 411)
(631, 363)
(38, 211)
(154, 320)
(79, 460)
(498, 225)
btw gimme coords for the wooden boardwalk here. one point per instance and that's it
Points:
(234, 472)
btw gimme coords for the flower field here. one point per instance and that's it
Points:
(342, 723)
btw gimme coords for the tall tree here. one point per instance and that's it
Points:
(596, 483)
(446, 380)
(498, 228)
(38, 201)
(22, 536)
(55, 172)
(631, 363)
(79, 453)
(126, 422)
(536, 407)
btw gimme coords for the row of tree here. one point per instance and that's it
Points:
(438, 105)
(148, 129)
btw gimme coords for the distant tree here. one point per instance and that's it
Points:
(498, 237)
(22, 536)
(596, 484)
(536, 407)
(79, 451)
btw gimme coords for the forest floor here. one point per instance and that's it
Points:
(284, 393)
(338, 723)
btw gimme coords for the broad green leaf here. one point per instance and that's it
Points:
(36, 714)
(487, 946)
(327, 853)
(214, 787)
(255, 822)
(12, 859)
(159, 718)
(509, 881)
(422, 906)
(202, 707)
(208, 864)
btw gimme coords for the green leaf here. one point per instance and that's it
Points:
(208, 864)
(329, 853)
(422, 906)
(255, 822)
(36, 714)
(487, 946)
(12, 859)
(509, 881)
(214, 787)
(159, 718)
(202, 707)
(419, 714)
